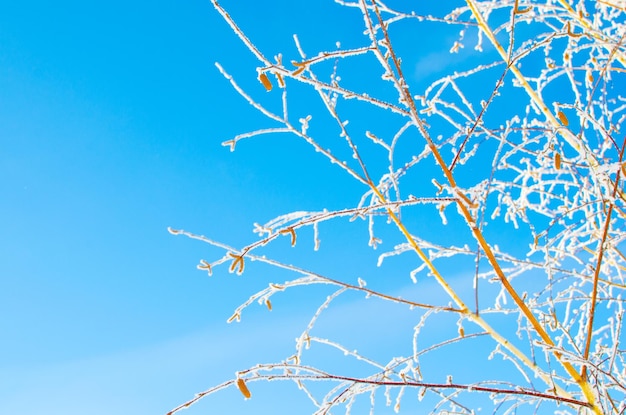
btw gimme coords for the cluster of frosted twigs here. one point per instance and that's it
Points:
(514, 154)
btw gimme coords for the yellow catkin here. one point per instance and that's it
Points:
(301, 67)
(268, 303)
(237, 263)
(265, 81)
(241, 384)
(563, 118)
(293, 236)
(557, 161)
(571, 33)
(205, 266)
(281, 82)
(291, 232)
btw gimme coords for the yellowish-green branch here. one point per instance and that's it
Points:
(461, 200)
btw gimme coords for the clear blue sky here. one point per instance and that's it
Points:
(112, 116)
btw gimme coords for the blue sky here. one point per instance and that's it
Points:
(109, 136)
(112, 120)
